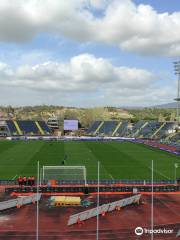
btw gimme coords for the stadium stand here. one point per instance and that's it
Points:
(152, 129)
(44, 127)
(92, 129)
(27, 127)
(170, 147)
(107, 128)
(137, 127)
(18, 128)
(148, 130)
(39, 127)
(99, 127)
(158, 130)
(165, 130)
(116, 129)
(123, 129)
(142, 129)
(53, 123)
(175, 138)
(171, 136)
(12, 128)
(3, 128)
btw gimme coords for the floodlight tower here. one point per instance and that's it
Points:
(177, 72)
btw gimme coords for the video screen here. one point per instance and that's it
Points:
(70, 125)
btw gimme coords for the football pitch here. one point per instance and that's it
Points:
(118, 160)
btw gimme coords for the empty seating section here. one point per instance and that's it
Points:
(108, 128)
(142, 129)
(145, 129)
(164, 131)
(149, 129)
(173, 140)
(27, 127)
(136, 128)
(176, 138)
(93, 127)
(12, 127)
(44, 127)
(123, 129)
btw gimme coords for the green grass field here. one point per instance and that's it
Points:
(118, 160)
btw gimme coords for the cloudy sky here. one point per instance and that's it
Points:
(88, 52)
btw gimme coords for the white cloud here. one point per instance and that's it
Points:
(139, 97)
(83, 72)
(96, 80)
(137, 28)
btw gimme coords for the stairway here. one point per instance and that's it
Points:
(98, 128)
(143, 126)
(154, 134)
(39, 127)
(18, 128)
(117, 127)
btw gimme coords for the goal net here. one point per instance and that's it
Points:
(64, 173)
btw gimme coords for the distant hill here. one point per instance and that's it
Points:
(167, 105)
(87, 115)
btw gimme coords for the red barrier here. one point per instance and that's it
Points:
(160, 145)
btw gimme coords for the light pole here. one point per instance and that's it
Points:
(37, 203)
(177, 72)
(97, 227)
(152, 199)
(175, 167)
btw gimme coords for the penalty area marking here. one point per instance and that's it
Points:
(111, 176)
(107, 172)
(14, 177)
(161, 174)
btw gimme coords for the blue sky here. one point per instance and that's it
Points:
(88, 52)
(162, 5)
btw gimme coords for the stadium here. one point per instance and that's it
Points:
(124, 153)
(107, 166)
(89, 120)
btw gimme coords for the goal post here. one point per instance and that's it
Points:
(64, 173)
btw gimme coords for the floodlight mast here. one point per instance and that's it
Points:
(177, 72)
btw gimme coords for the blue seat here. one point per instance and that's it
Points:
(11, 127)
(28, 127)
(93, 127)
(108, 127)
(45, 127)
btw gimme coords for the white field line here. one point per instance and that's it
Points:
(160, 173)
(106, 171)
(111, 176)
(14, 177)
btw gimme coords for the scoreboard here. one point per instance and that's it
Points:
(70, 125)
